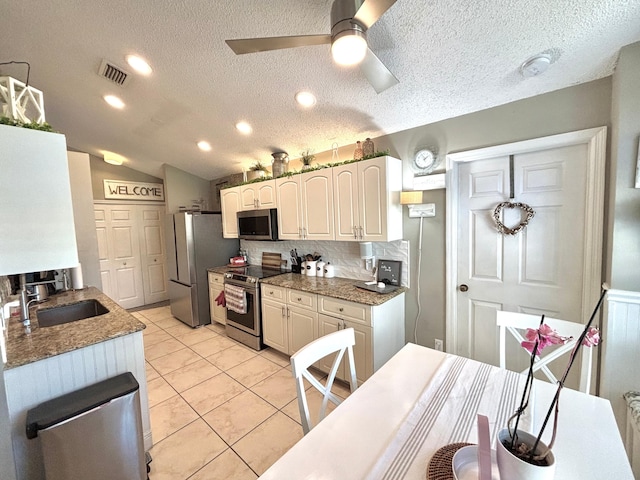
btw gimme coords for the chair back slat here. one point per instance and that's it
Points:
(515, 323)
(338, 342)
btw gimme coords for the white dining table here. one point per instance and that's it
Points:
(423, 399)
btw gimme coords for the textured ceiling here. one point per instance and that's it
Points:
(451, 57)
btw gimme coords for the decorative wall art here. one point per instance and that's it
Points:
(524, 209)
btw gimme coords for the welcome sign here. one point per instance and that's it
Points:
(122, 190)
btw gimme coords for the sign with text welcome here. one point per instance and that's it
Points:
(121, 190)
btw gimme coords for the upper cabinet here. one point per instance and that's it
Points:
(38, 228)
(305, 206)
(258, 195)
(229, 206)
(367, 200)
(356, 202)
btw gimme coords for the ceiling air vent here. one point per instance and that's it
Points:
(109, 71)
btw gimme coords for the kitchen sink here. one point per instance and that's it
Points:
(48, 317)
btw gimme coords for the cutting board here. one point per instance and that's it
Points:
(271, 260)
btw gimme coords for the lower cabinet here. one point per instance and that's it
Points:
(361, 350)
(292, 319)
(289, 318)
(216, 285)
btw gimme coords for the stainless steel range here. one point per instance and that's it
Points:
(247, 327)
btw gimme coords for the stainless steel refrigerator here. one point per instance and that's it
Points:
(194, 244)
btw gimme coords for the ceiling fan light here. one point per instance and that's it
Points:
(349, 48)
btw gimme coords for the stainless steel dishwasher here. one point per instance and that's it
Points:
(94, 432)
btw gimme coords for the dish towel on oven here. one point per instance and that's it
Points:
(236, 299)
(220, 300)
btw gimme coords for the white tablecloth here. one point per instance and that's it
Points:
(421, 400)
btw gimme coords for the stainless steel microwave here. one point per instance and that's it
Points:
(258, 224)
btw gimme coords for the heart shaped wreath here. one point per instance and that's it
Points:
(502, 228)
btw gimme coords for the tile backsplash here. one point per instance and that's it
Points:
(344, 256)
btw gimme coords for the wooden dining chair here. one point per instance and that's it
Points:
(337, 342)
(514, 323)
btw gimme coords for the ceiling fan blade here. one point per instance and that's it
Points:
(379, 76)
(252, 45)
(371, 11)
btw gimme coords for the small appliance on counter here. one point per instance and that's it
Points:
(388, 279)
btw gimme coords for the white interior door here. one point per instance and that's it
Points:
(126, 259)
(153, 254)
(553, 265)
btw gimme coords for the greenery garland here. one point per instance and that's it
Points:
(45, 127)
(312, 169)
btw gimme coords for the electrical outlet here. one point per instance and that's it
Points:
(439, 345)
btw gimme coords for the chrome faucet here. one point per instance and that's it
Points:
(24, 305)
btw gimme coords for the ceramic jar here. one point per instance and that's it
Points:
(320, 269)
(311, 268)
(329, 271)
(303, 268)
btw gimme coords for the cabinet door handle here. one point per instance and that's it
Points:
(355, 232)
(288, 312)
(341, 309)
(270, 292)
(124, 263)
(304, 232)
(300, 232)
(299, 299)
(339, 326)
(283, 310)
(361, 233)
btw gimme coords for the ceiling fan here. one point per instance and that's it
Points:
(350, 20)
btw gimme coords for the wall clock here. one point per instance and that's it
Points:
(424, 160)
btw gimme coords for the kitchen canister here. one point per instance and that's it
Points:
(329, 271)
(303, 268)
(311, 268)
(320, 269)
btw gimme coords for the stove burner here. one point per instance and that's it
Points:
(252, 273)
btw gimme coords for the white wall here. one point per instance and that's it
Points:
(182, 189)
(82, 199)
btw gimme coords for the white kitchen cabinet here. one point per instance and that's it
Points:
(305, 206)
(230, 204)
(289, 203)
(367, 200)
(289, 318)
(361, 350)
(274, 325)
(258, 195)
(379, 331)
(216, 285)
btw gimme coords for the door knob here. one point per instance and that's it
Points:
(464, 288)
(124, 263)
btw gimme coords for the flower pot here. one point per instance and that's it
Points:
(512, 467)
(253, 174)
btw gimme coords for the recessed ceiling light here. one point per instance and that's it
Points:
(114, 101)
(204, 146)
(244, 128)
(113, 158)
(306, 99)
(138, 64)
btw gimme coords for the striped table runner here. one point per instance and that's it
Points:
(446, 413)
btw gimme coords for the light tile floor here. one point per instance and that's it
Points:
(219, 410)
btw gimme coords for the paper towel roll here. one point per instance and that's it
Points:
(77, 282)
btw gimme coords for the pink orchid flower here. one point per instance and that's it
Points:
(547, 336)
(592, 338)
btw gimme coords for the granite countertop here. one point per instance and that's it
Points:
(343, 288)
(41, 343)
